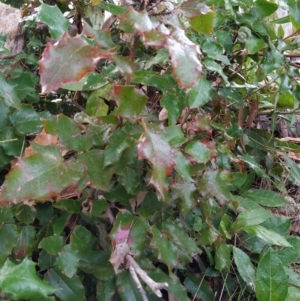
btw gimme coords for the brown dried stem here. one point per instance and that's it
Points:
(154, 286)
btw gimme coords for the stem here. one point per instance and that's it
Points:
(154, 286)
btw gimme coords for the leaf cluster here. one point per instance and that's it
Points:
(142, 135)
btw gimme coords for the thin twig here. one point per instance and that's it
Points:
(137, 282)
(154, 286)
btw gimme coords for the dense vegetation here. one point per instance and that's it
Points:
(150, 141)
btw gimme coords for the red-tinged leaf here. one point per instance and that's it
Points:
(163, 158)
(130, 101)
(67, 61)
(200, 123)
(140, 20)
(127, 234)
(39, 177)
(120, 238)
(184, 57)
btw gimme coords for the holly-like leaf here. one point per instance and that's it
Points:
(120, 237)
(102, 37)
(202, 151)
(39, 176)
(26, 120)
(21, 282)
(67, 61)
(99, 175)
(118, 142)
(130, 101)
(184, 57)
(52, 244)
(211, 185)
(140, 20)
(193, 8)
(68, 261)
(70, 134)
(68, 289)
(163, 158)
(8, 94)
(8, 239)
(53, 17)
(200, 93)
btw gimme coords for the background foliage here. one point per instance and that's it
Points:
(154, 133)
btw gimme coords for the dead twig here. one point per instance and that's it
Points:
(154, 286)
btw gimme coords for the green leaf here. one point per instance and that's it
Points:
(130, 101)
(222, 256)
(24, 245)
(199, 288)
(81, 239)
(211, 185)
(267, 235)
(102, 37)
(174, 285)
(106, 289)
(52, 244)
(184, 57)
(68, 289)
(200, 93)
(167, 251)
(202, 151)
(293, 294)
(294, 7)
(39, 176)
(174, 136)
(68, 261)
(53, 17)
(289, 255)
(178, 234)
(26, 120)
(69, 133)
(98, 174)
(90, 82)
(21, 282)
(251, 217)
(294, 169)
(254, 44)
(8, 94)
(244, 266)
(265, 197)
(58, 67)
(118, 142)
(174, 104)
(254, 165)
(263, 8)
(203, 23)
(126, 287)
(8, 239)
(271, 282)
(186, 191)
